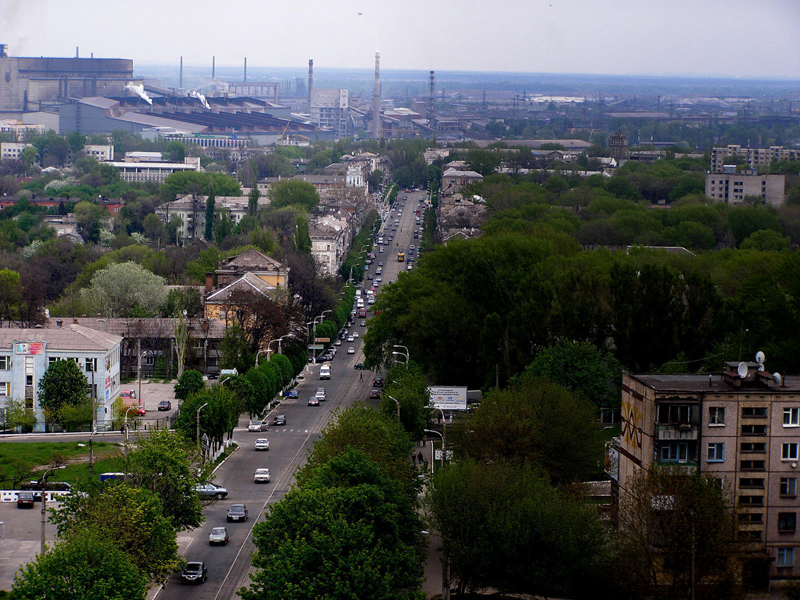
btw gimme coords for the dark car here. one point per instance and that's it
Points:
(293, 393)
(194, 572)
(25, 500)
(279, 420)
(237, 512)
(377, 381)
(375, 393)
(359, 365)
(165, 405)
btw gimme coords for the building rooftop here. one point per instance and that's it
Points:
(69, 337)
(713, 384)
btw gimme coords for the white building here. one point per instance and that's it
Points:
(12, 150)
(99, 152)
(330, 108)
(732, 187)
(330, 242)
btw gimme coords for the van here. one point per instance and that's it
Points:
(325, 372)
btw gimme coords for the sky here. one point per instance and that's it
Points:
(740, 38)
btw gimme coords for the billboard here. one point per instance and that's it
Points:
(448, 398)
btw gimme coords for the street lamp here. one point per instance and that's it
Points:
(441, 435)
(398, 405)
(321, 317)
(43, 489)
(407, 354)
(198, 425)
(130, 408)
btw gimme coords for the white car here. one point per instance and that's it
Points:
(351, 350)
(371, 300)
(262, 444)
(355, 334)
(261, 476)
(351, 339)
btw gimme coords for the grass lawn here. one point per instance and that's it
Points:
(21, 461)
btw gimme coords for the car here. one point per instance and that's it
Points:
(140, 411)
(369, 276)
(416, 236)
(409, 267)
(211, 490)
(411, 252)
(380, 250)
(165, 405)
(378, 279)
(366, 267)
(25, 499)
(262, 444)
(256, 425)
(350, 338)
(355, 334)
(343, 333)
(194, 572)
(380, 264)
(128, 394)
(292, 393)
(363, 323)
(260, 476)
(237, 512)
(377, 381)
(337, 343)
(412, 247)
(313, 401)
(368, 261)
(351, 350)
(371, 301)
(218, 535)
(279, 420)
(359, 365)
(375, 393)
(320, 393)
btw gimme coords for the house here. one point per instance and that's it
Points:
(453, 180)
(25, 355)
(742, 426)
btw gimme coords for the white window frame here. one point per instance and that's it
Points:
(784, 557)
(5, 363)
(716, 416)
(718, 449)
(789, 451)
(788, 487)
(791, 417)
(5, 388)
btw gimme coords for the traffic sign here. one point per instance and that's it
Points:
(316, 347)
(322, 340)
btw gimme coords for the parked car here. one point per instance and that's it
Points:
(355, 334)
(165, 405)
(194, 572)
(237, 512)
(261, 476)
(140, 411)
(211, 490)
(128, 394)
(377, 381)
(359, 365)
(262, 444)
(257, 425)
(279, 420)
(218, 535)
(350, 338)
(375, 393)
(25, 500)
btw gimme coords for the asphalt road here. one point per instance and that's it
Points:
(229, 566)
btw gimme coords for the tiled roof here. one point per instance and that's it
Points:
(252, 260)
(144, 327)
(70, 337)
(248, 282)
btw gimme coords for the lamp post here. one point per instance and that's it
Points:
(198, 425)
(407, 354)
(446, 565)
(130, 408)
(398, 405)
(321, 317)
(43, 489)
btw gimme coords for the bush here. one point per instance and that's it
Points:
(189, 383)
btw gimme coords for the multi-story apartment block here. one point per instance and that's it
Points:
(732, 187)
(12, 150)
(742, 426)
(755, 157)
(100, 152)
(330, 108)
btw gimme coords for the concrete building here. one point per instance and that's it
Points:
(191, 209)
(618, 146)
(330, 242)
(25, 355)
(453, 180)
(28, 83)
(137, 169)
(12, 150)
(100, 152)
(732, 187)
(754, 157)
(742, 426)
(330, 109)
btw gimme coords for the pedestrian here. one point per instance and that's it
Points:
(420, 457)
(361, 377)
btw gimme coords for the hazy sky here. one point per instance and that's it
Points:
(747, 38)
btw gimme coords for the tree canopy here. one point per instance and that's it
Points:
(62, 385)
(293, 192)
(126, 290)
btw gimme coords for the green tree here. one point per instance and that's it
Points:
(503, 526)
(188, 383)
(10, 294)
(351, 532)
(217, 419)
(766, 240)
(186, 182)
(293, 192)
(375, 179)
(126, 290)
(252, 201)
(174, 151)
(86, 567)
(62, 384)
(165, 463)
(406, 384)
(131, 517)
(154, 228)
(210, 213)
(484, 162)
(17, 414)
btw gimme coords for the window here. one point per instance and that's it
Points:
(788, 487)
(754, 411)
(785, 557)
(751, 465)
(91, 365)
(791, 417)
(716, 452)
(5, 363)
(677, 414)
(789, 451)
(751, 483)
(4, 391)
(748, 447)
(749, 535)
(716, 415)
(676, 452)
(751, 518)
(787, 522)
(751, 500)
(754, 430)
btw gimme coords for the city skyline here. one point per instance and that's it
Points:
(623, 37)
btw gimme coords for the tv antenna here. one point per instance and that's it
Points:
(742, 370)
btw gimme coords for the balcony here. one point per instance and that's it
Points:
(685, 432)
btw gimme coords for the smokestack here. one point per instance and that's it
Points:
(180, 79)
(310, 82)
(245, 69)
(213, 67)
(77, 52)
(376, 99)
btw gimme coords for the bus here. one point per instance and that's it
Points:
(401, 256)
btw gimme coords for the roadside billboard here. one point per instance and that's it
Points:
(448, 398)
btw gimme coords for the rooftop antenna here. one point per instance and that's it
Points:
(742, 370)
(776, 377)
(760, 358)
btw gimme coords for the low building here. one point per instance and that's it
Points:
(100, 152)
(453, 180)
(191, 209)
(330, 242)
(25, 355)
(742, 426)
(732, 187)
(139, 167)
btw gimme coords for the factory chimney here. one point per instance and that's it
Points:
(376, 99)
(213, 67)
(77, 52)
(245, 69)
(310, 82)
(180, 79)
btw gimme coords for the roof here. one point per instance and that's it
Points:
(248, 282)
(251, 260)
(467, 174)
(713, 384)
(145, 327)
(70, 338)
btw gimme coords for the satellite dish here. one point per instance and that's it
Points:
(742, 370)
(760, 358)
(776, 377)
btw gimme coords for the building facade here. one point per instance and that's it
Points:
(743, 427)
(732, 187)
(330, 109)
(754, 157)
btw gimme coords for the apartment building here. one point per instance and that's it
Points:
(732, 187)
(330, 108)
(12, 150)
(742, 426)
(755, 157)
